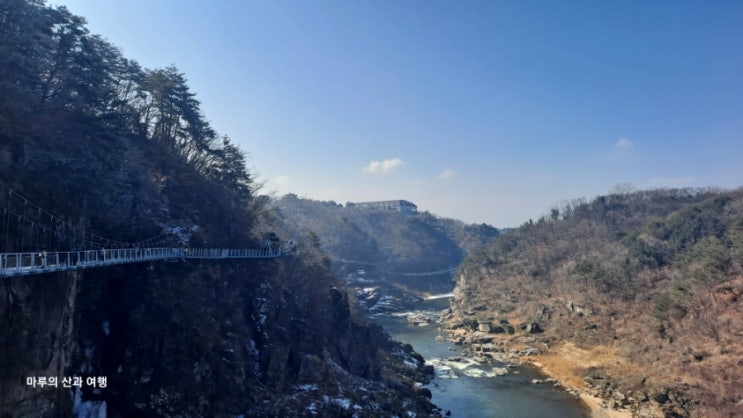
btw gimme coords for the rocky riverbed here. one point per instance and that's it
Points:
(501, 342)
(467, 384)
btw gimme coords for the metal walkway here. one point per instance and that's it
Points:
(21, 264)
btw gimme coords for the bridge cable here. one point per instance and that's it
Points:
(36, 226)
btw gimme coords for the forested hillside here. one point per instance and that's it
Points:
(389, 240)
(90, 133)
(634, 292)
(93, 146)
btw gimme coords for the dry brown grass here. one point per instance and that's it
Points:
(698, 355)
(568, 363)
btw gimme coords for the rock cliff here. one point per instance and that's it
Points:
(197, 339)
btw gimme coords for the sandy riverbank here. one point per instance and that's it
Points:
(599, 411)
(562, 363)
(594, 404)
(584, 372)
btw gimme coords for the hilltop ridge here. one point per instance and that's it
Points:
(631, 297)
(387, 240)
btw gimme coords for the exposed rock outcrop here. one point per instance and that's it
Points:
(175, 339)
(486, 340)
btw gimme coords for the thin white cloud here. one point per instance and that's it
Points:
(282, 181)
(624, 148)
(386, 166)
(446, 175)
(624, 144)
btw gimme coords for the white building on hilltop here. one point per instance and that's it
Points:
(402, 206)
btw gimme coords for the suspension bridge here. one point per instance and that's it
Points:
(28, 229)
(449, 270)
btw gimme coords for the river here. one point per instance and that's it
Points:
(472, 390)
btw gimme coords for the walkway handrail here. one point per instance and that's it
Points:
(19, 264)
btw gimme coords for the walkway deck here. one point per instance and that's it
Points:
(21, 264)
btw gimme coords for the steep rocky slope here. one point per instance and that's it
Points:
(199, 339)
(97, 152)
(634, 298)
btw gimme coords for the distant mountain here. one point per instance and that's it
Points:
(388, 241)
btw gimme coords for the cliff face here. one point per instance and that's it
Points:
(97, 152)
(37, 338)
(196, 339)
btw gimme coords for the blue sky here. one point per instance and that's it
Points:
(486, 111)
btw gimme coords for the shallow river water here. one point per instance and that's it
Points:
(458, 390)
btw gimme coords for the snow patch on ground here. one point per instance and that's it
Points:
(411, 362)
(87, 409)
(254, 355)
(180, 234)
(342, 402)
(441, 296)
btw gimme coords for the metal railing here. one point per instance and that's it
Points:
(231, 252)
(19, 264)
